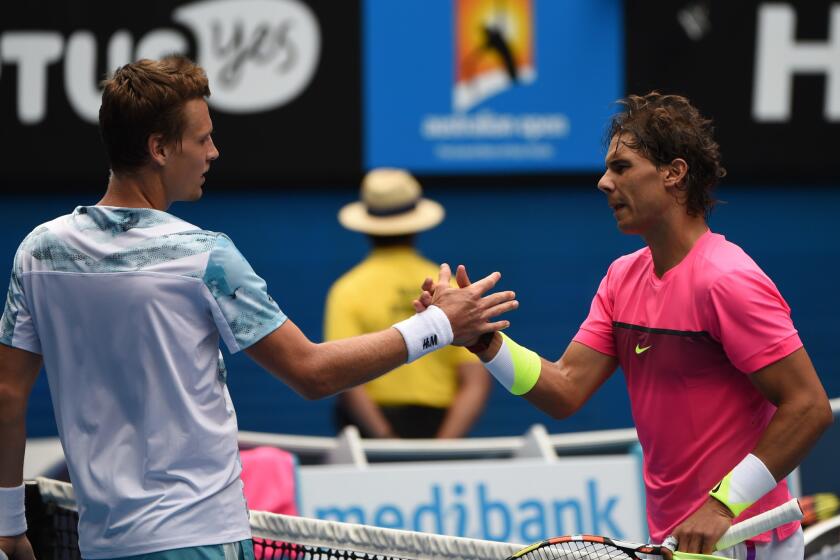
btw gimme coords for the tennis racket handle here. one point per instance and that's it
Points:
(785, 513)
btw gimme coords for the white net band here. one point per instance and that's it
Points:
(374, 541)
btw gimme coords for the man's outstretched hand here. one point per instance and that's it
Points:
(468, 309)
(424, 300)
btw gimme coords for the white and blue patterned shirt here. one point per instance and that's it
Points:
(127, 307)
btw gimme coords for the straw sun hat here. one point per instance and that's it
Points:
(391, 203)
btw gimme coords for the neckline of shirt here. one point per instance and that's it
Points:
(658, 282)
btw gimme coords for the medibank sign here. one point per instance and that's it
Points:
(517, 500)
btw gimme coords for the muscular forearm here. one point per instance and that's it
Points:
(792, 432)
(320, 370)
(341, 364)
(565, 385)
(12, 433)
(12, 443)
(18, 371)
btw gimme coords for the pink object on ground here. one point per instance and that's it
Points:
(270, 479)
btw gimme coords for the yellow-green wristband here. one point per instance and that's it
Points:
(722, 493)
(744, 485)
(516, 367)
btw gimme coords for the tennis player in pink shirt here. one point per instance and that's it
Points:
(725, 399)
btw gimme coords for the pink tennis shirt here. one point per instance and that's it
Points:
(687, 343)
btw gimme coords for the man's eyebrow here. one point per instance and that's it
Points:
(616, 159)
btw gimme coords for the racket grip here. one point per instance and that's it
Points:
(761, 523)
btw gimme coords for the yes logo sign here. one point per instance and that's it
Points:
(258, 54)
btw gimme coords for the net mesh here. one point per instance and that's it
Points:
(52, 517)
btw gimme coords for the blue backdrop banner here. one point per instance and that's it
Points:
(485, 86)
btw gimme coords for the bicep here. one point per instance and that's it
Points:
(791, 378)
(565, 385)
(284, 352)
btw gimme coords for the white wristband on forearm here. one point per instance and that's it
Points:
(744, 485)
(516, 367)
(425, 332)
(12, 511)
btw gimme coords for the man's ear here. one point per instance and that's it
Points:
(158, 150)
(675, 172)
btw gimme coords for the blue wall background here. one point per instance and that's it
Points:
(552, 246)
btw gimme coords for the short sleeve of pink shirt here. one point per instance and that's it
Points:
(597, 330)
(750, 319)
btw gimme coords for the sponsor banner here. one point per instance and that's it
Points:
(484, 86)
(519, 501)
(767, 72)
(283, 76)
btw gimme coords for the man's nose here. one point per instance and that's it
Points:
(214, 152)
(605, 183)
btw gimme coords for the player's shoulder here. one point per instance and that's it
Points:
(108, 222)
(145, 230)
(42, 233)
(111, 239)
(719, 258)
(638, 260)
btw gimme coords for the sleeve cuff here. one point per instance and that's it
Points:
(771, 354)
(598, 342)
(267, 329)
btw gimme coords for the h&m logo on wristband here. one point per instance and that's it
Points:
(430, 341)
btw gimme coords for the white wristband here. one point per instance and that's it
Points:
(744, 485)
(12, 511)
(501, 366)
(425, 332)
(516, 367)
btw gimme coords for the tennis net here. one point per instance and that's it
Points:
(52, 517)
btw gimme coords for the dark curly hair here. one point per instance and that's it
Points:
(665, 127)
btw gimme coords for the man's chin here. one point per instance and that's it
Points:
(195, 195)
(627, 228)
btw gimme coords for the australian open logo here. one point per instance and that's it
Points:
(494, 49)
(494, 53)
